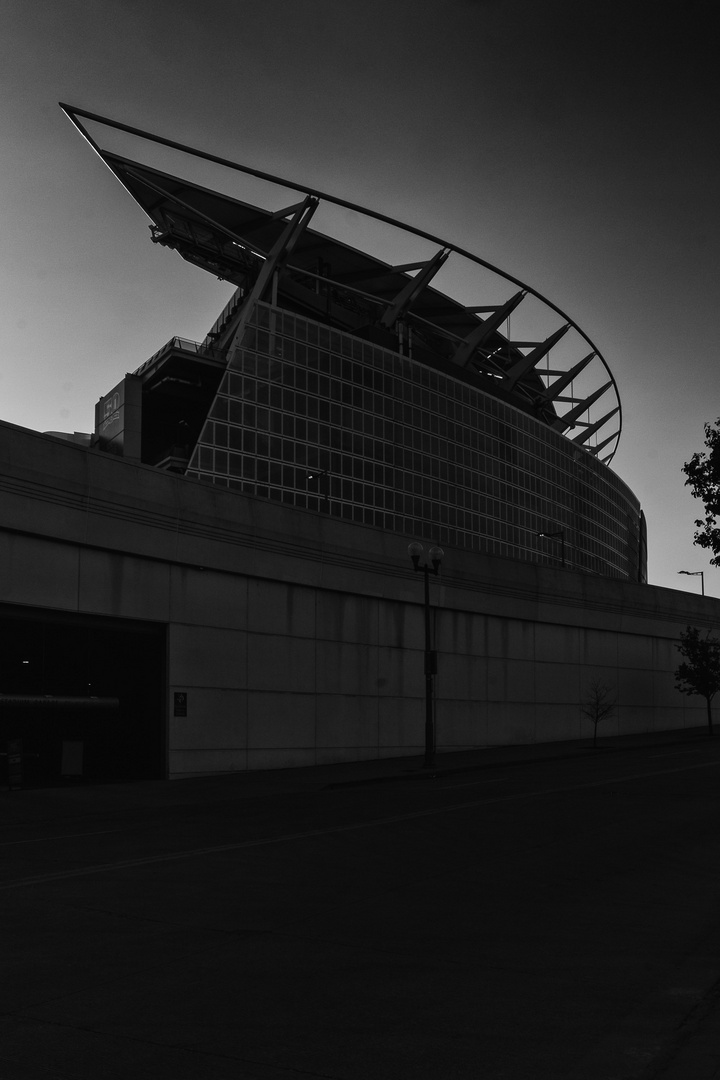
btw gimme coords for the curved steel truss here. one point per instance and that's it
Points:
(520, 347)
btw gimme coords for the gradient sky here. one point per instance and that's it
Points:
(572, 144)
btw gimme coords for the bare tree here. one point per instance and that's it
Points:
(599, 704)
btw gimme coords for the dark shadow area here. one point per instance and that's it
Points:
(84, 696)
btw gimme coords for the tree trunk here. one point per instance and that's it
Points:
(709, 716)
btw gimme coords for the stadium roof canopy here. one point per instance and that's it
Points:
(558, 376)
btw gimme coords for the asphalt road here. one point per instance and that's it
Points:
(522, 920)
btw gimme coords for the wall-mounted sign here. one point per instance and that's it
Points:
(118, 418)
(180, 703)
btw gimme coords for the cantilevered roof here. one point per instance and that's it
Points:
(558, 375)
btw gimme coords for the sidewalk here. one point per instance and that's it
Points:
(38, 804)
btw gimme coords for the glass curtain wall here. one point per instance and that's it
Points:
(325, 421)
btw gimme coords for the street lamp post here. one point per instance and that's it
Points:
(323, 479)
(696, 573)
(435, 554)
(560, 535)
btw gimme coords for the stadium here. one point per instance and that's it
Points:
(227, 552)
(338, 383)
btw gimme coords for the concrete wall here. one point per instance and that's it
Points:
(299, 639)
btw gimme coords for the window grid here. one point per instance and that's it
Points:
(403, 447)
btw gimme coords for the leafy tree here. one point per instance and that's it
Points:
(699, 672)
(599, 704)
(703, 476)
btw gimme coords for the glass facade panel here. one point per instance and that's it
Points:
(389, 442)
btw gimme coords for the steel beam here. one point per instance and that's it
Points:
(569, 418)
(592, 428)
(524, 367)
(486, 329)
(406, 297)
(279, 253)
(555, 388)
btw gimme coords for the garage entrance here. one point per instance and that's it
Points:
(83, 697)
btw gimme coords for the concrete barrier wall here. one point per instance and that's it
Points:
(317, 676)
(299, 639)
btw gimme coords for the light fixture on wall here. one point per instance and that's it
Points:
(322, 476)
(559, 535)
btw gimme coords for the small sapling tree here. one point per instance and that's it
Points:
(600, 703)
(699, 673)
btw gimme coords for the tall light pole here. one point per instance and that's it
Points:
(435, 554)
(559, 535)
(696, 573)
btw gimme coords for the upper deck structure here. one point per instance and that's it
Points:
(335, 380)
